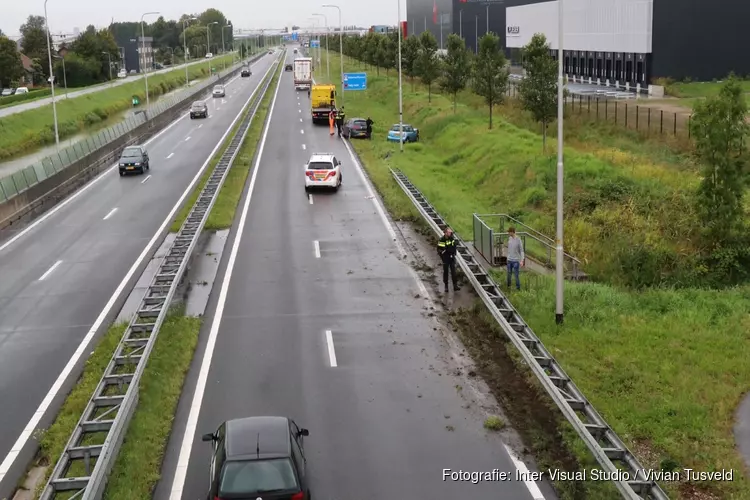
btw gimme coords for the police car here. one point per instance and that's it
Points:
(323, 170)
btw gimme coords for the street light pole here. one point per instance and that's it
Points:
(51, 78)
(143, 50)
(65, 77)
(109, 59)
(460, 23)
(400, 88)
(208, 43)
(559, 272)
(328, 55)
(223, 47)
(476, 34)
(341, 48)
(488, 19)
(184, 43)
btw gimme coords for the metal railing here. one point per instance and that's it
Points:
(490, 243)
(116, 396)
(598, 436)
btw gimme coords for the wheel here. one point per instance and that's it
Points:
(122, 174)
(142, 171)
(148, 166)
(307, 189)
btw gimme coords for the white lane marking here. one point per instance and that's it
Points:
(304, 147)
(28, 431)
(199, 126)
(316, 243)
(144, 181)
(50, 270)
(310, 198)
(331, 349)
(299, 104)
(218, 108)
(200, 388)
(301, 131)
(187, 138)
(300, 120)
(299, 111)
(170, 155)
(110, 214)
(536, 493)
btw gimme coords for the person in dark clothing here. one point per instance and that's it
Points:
(340, 115)
(446, 248)
(308, 92)
(369, 123)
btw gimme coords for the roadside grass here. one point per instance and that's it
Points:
(701, 89)
(665, 367)
(30, 129)
(222, 213)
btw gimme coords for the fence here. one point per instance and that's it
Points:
(490, 239)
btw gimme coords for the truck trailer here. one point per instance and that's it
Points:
(302, 73)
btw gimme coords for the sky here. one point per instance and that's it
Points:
(64, 15)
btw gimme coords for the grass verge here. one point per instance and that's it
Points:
(26, 131)
(666, 367)
(222, 213)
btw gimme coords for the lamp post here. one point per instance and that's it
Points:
(109, 60)
(400, 89)
(341, 47)
(476, 34)
(208, 43)
(51, 78)
(223, 47)
(328, 55)
(487, 30)
(460, 23)
(143, 50)
(184, 44)
(65, 77)
(559, 276)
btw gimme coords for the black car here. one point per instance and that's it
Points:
(258, 457)
(288, 67)
(355, 127)
(134, 159)
(199, 109)
(245, 72)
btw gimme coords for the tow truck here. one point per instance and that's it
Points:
(322, 99)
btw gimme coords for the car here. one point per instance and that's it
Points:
(209, 55)
(288, 67)
(295, 51)
(6, 92)
(122, 74)
(355, 127)
(411, 134)
(258, 457)
(199, 109)
(134, 159)
(323, 170)
(270, 51)
(245, 72)
(21, 90)
(219, 91)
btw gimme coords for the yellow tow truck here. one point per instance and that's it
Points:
(322, 99)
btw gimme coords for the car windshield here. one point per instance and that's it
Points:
(396, 128)
(359, 124)
(131, 153)
(198, 105)
(320, 165)
(218, 87)
(248, 477)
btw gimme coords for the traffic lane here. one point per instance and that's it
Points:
(42, 320)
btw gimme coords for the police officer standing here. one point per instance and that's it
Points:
(340, 115)
(369, 123)
(446, 248)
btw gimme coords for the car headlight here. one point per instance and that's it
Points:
(138, 164)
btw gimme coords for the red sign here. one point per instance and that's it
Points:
(404, 29)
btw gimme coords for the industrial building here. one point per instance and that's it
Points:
(136, 53)
(634, 41)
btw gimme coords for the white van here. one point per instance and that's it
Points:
(22, 90)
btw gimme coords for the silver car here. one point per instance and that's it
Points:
(219, 91)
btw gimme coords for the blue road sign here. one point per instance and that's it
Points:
(314, 44)
(355, 81)
(295, 36)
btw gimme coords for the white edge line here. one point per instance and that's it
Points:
(170, 155)
(533, 488)
(331, 349)
(110, 214)
(144, 181)
(178, 483)
(50, 270)
(187, 138)
(316, 246)
(310, 198)
(83, 346)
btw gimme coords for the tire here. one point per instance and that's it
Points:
(142, 171)
(122, 174)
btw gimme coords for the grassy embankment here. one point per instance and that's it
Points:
(137, 468)
(666, 367)
(28, 130)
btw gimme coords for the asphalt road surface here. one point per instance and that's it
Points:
(59, 274)
(384, 414)
(25, 106)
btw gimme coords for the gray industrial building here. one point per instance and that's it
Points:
(136, 53)
(635, 41)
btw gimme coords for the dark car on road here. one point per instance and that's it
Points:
(199, 109)
(288, 67)
(134, 159)
(258, 457)
(245, 72)
(355, 127)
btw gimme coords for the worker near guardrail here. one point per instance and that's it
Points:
(340, 115)
(446, 248)
(516, 256)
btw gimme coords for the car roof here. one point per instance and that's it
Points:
(270, 435)
(321, 157)
(202, 103)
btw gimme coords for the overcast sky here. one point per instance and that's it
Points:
(64, 15)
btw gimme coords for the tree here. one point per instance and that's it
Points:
(34, 40)
(390, 50)
(456, 67)
(719, 129)
(409, 57)
(490, 78)
(428, 63)
(538, 89)
(11, 68)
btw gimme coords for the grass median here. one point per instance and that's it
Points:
(30, 129)
(666, 367)
(222, 213)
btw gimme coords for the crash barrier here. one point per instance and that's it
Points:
(43, 184)
(116, 396)
(540, 247)
(598, 436)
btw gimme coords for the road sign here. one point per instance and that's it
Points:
(314, 44)
(355, 81)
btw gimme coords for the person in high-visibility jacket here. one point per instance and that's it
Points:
(446, 248)
(332, 117)
(340, 116)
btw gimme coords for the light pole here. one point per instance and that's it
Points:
(400, 92)
(51, 78)
(460, 23)
(143, 49)
(223, 47)
(487, 30)
(208, 43)
(184, 43)
(341, 47)
(65, 77)
(476, 34)
(109, 59)
(328, 55)
(559, 276)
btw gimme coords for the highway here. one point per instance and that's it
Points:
(316, 316)
(61, 274)
(25, 106)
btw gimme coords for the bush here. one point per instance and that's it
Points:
(30, 96)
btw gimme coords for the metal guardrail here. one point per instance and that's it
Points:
(116, 396)
(598, 436)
